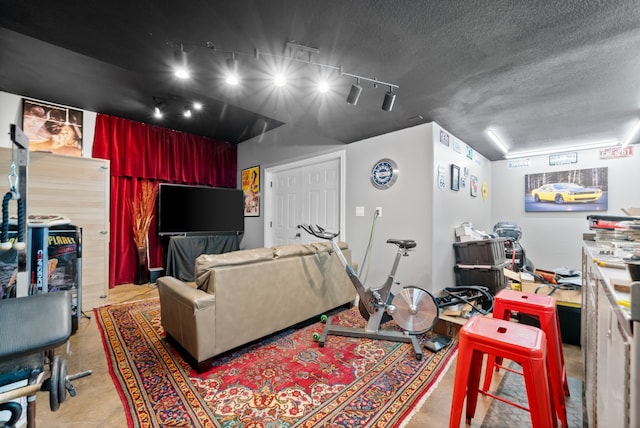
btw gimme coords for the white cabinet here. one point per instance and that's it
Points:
(609, 359)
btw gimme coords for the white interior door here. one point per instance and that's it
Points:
(303, 193)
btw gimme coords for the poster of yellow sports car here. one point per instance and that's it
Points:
(573, 190)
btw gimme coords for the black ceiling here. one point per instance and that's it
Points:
(541, 73)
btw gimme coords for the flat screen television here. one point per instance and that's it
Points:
(196, 210)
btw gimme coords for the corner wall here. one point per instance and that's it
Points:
(415, 207)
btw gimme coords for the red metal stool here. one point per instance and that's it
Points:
(544, 309)
(526, 345)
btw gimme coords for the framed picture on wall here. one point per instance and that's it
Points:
(473, 185)
(52, 128)
(251, 191)
(455, 177)
(570, 190)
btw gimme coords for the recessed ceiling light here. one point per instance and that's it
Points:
(197, 106)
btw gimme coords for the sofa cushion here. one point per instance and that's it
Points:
(205, 262)
(282, 251)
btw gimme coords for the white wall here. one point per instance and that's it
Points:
(406, 206)
(11, 112)
(554, 239)
(451, 208)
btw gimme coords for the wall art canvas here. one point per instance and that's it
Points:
(52, 128)
(570, 190)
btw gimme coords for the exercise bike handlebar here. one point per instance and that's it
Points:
(318, 231)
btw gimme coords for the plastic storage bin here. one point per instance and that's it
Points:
(489, 252)
(491, 277)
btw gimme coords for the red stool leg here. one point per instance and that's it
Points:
(540, 403)
(549, 324)
(472, 384)
(463, 363)
(500, 311)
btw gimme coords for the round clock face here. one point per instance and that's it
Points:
(384, 174)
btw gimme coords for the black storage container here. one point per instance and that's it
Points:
(491, 277)
(489, 252)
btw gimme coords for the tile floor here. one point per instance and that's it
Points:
(97, 404)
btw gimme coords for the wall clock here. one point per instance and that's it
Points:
(384, 174)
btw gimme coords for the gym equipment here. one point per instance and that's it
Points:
(413, 309)
(31, 327)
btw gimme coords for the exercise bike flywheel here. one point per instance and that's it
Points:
(414, 310)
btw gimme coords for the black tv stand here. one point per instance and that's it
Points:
(182, 251)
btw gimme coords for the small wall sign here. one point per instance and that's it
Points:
(563, 158)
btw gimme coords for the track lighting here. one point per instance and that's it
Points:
(389, 100)
(157, 113)
(354, 93)
(280, 80)
(232, 70)
(323, 87)
(295, 52)
(181, 70)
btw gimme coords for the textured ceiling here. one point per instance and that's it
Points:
(540, 73)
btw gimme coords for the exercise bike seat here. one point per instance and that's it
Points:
(405, 244)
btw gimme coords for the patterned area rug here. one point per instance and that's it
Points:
(502, 415)
(284, 380)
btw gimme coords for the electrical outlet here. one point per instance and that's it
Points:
(378, 211)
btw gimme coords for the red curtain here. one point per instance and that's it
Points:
(140, 152)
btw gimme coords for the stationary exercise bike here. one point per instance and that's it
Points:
(413, 309)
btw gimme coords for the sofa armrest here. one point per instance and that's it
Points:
(188, 315)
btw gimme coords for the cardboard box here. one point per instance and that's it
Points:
(525, 283)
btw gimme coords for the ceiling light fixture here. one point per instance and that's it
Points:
(354, 93)
(296, 52)
(187, 113)
(280, 80)
(323, 87)
(232, 70)
(197, 106)
(181, 70)
(552, 150)
(631, 135)
(389, 100)
(497, 141)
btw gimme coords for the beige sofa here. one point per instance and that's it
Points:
(248, 294)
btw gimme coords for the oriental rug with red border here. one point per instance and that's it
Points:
(283, 380)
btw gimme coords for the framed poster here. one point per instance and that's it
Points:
(473, 185)
(570, 190)
(251, 191)
(52, 128)
(455, 177)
